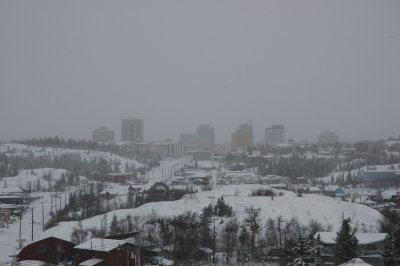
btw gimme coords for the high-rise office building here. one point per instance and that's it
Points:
(190, 139)
(243, 136)
(132, 130)
(326, 138)
(206, 134)
(103, 134)
(274, 135)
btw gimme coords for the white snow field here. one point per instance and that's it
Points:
(25, 177)
(9, 236)
(326, 210)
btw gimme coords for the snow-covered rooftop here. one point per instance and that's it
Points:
(90, 262)
(10, 190)
(101, 244)
(357, 262)
(60, 231)
(388, 194)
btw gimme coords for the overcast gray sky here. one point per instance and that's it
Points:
(67, 67)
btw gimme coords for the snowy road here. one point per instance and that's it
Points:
(9, 236)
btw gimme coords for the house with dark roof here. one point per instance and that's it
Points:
(108, 252)
(50, 250)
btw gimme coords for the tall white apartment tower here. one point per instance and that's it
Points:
(274, 135)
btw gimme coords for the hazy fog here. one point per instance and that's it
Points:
(67, 67)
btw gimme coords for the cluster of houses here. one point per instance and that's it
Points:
(112, 250)
(125, 249)
(370, 246)
(11, 201)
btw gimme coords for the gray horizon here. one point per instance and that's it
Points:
(69, 67)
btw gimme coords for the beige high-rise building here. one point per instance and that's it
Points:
(243, 136)
(132, 130)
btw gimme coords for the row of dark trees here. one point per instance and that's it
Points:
(128, 151)
(82, 204)
(73, 162)
(187, 232)
(11, 161)
(296, 166)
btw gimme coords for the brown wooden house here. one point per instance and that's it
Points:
(51, 250)
(108, 252)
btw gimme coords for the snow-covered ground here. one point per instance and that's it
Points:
(9, 236)
(26, 177)
(327, 179)
(326, 210)
(25, 150)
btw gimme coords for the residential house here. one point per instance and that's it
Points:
(50, 250)
(370, 245)
(108, 252)
(11, 195)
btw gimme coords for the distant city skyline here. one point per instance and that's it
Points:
(68, 67)
(258, 135)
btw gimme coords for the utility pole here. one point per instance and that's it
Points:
(214, 235)
(127, 253)
(32, 224)
(20, 240)
(42, 216)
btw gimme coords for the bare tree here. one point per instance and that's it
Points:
(229, 237)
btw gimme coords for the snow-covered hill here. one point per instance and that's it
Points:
(326, 210)
(25, 150)
(30, 178)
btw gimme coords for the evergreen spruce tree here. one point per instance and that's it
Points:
(346, 243)
(78, 235)
(390, 253)
(270, 233)
(300, 251)
(114, 225)
(206, 238)
(130, 201)
(316, 254)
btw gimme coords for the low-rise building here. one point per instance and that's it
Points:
(11, 195)
(50, 250)
(108, 252)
